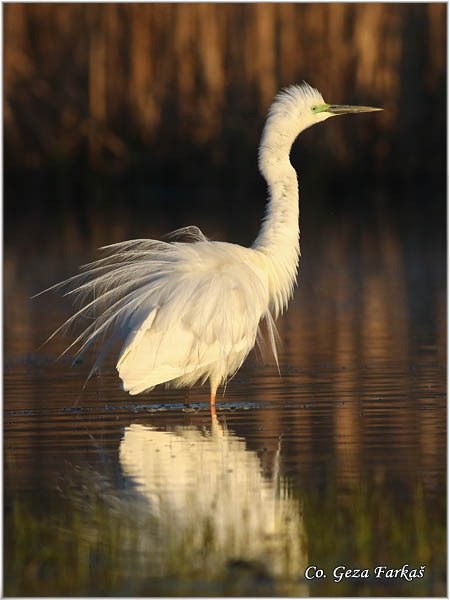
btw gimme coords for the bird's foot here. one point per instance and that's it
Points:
(186, 399)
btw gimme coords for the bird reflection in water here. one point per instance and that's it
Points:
(206, 493)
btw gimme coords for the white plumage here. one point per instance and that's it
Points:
(190, 311)
(197, 319)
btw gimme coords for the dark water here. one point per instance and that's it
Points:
(338, 462)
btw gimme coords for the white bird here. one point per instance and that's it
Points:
(190, 311)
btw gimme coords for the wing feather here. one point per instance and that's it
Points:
(205, 317)
(186, 311)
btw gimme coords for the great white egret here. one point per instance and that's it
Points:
(190, 311)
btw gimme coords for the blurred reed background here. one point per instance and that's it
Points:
(175, 95)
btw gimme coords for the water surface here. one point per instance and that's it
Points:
(340, 461)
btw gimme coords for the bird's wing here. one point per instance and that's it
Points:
(178, 306)
(205, 313)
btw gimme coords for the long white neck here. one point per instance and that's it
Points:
(279, 236)
(278, 241)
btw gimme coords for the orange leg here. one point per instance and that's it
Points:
(212, 403)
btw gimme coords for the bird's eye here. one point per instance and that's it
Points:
(313, 108)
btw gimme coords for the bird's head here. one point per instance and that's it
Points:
(294, 109)
(302, 106)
